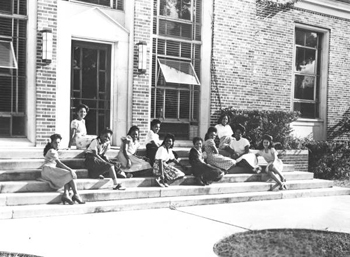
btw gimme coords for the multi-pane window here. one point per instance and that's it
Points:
(176, 65)
(307, 72)
(13, 32)
(115, 4)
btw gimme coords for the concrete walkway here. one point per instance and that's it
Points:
(187, 231)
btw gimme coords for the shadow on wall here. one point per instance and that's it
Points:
(341, 130)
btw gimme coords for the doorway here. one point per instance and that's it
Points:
(91, 83)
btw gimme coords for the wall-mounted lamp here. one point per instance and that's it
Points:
(142, 45)
(47, 45)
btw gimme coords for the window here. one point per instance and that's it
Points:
(7, 55)
(176, 65)
(307, 69)
(115, 4)
(13, 31)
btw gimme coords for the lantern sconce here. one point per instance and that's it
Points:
(142, 54)
(47, 45)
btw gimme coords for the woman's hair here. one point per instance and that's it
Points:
(132, 129)
(49, 144)
(222, 116)
(81, 106)
(169, 135)
(268, 138)
(105, 131)
(155, 122)
(195, 139)
(240, 127)
(210, 130)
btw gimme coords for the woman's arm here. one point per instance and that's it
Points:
(274, 154)
(125, 145)
(73, 133)
(63, 166)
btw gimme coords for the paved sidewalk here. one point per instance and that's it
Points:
(186, 231)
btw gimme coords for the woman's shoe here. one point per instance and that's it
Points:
(66, 199)
(159, 182)
(76, 198)
(101, 177)
(119, 187)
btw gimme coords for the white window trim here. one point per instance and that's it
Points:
(324, 58)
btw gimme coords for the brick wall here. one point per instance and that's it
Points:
(141, 84)
(299, 158)
(253, 54)
(45, 73)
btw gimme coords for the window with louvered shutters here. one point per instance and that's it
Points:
(13, 31)
(176, 64)
(115, 4)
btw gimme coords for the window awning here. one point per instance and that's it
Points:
(7, 55)
(179, 72)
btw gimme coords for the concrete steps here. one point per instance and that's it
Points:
(22, 194)
(89, 184)
(30, 211)
(14, 199)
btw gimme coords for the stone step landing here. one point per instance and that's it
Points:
(13, 199)
(90, 184)
(31, 211)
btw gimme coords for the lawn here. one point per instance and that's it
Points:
(285, 242)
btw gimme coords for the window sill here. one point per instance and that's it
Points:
(307, 121)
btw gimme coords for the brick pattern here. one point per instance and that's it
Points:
(141, 83)
(45, 73)
(253, 54)
(300, 159)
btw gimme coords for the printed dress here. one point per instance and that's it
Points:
(201, 169)
(270, 158)
(81, 140)
(56, 177)
(239, 148)
(137, 163)
(171, 173)
(215, 159)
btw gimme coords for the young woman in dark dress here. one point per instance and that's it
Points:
(96, 160)
(204, 173)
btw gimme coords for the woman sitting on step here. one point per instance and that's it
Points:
(274, 164)
(127, 154)
(59, 174)
(204, 173)
(163, 166)
(79, 135)
(239, 147)
(98, 163)
(224, 133)
(213, 157)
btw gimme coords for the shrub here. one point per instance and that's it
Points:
(260, 122)
(329, 160)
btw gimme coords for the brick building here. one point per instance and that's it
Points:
(176, 60)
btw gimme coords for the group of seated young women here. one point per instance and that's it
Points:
(166, 167)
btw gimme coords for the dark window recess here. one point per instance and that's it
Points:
(180, 130)
(13, 80)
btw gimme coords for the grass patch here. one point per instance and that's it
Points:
(285, 242)
(8, 254)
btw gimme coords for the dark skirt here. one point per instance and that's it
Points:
(151, 150)
(95, 166)
(207, 172)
